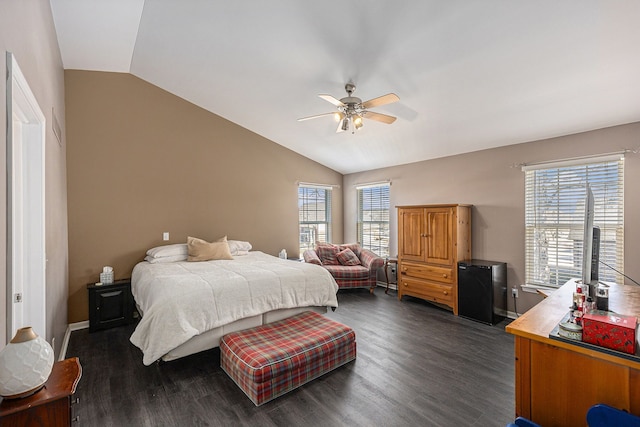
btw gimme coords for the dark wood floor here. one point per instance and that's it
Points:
(417, 365)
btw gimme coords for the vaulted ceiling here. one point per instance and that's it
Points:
(470, 74)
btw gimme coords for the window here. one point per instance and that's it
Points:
(314, 215)
(373, 218)
(554, 218)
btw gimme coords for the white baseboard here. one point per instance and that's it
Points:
(512, 315)
(392, 286)
(65, 341)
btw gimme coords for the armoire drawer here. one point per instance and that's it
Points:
(429, 272)
(427, 290)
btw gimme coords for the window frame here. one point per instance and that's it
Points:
(554, 218)
(316, 222)
(379, 195)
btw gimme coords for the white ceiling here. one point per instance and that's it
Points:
(470, 74)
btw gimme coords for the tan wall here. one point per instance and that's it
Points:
(490, 181)
(27, 30)
(141, 161)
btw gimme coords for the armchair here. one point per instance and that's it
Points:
(349, 264)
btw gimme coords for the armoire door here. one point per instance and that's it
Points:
(411, 234)
(439, 236)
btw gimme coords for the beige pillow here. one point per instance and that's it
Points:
(201, 250)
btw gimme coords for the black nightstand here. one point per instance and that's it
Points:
(110, 305)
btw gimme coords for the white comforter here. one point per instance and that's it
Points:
(182, 299)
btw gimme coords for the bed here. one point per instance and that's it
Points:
(186, 307)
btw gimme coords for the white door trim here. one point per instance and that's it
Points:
(26, 258)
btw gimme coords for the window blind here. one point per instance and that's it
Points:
(373, 218)
(554, 219)
(314, 215)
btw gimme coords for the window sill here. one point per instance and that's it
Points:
(535, 289)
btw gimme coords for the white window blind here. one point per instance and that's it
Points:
(554, 219)
(314, 215)
(373, 218)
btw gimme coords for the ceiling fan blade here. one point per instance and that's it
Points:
(381, 100)
(316, 116)
(378, 117)
(332, 100)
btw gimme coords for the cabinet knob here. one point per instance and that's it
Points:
(76, 419)
(75, 401)
(445, 292)
(404, 268)
(444, 275)
(405, 284)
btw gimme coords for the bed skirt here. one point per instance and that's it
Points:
(211, 338)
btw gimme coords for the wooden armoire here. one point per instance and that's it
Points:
(431, 241)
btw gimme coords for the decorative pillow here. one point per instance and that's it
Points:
(355, 248)
(347, 257)
(327, 253)
(311, 257)
(201, 250)
(168, 251)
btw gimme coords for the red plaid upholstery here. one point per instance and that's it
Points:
(311, 257)
(352, 276)
(327, 254)
(270, 360)
(355, 248)
(347, 257)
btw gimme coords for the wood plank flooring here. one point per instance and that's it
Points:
(417, 365)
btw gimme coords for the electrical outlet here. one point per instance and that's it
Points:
(514, 292)
(165, 236)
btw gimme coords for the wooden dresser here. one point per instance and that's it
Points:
(50, 406)
(558, 381)
(431, 241)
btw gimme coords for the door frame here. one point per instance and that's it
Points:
(26, 246)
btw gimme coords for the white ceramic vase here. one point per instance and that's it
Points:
(25, 364)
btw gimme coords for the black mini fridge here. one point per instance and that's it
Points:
(482, 290)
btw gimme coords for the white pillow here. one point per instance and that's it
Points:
(174, 258)
(238, 247)
(169, 251)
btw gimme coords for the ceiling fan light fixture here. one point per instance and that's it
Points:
(345, 124)
(357, 122)
(338, 116)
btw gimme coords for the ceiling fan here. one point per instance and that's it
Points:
(352, 111)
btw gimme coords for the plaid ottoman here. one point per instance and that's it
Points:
(269, 360)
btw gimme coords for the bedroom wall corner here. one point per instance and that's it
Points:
(142, 161)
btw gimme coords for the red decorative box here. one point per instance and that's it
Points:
(610, 330)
